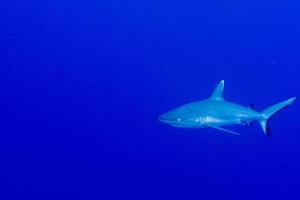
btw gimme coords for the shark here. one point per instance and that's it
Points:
(217, 113)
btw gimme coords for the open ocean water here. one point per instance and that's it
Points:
(82, 83)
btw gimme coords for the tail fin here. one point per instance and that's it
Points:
(269, 112)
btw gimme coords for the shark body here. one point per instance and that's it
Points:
(216, 112)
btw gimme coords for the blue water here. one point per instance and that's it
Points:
(82, 84)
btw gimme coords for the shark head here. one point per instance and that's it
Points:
(191, 115)
(178, 119)
(170, 118)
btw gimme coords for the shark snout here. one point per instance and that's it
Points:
(166, 118)
(163, 118)
(169, 118)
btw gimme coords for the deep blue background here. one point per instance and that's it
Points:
(82, 84)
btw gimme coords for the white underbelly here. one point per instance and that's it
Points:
(220, 122)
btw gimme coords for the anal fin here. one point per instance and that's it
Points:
(246, 123)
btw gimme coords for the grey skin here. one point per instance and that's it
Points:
(215, 112)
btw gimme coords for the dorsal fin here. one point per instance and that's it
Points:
(218, 92)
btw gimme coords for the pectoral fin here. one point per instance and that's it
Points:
(221, 129)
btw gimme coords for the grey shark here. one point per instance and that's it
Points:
(216, 112)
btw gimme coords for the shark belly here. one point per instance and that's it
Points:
(227, 113)
(221, 121)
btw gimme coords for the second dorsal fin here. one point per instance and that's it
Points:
(252, 106)
(218, 92)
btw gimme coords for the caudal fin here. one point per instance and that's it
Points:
(269, 112)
